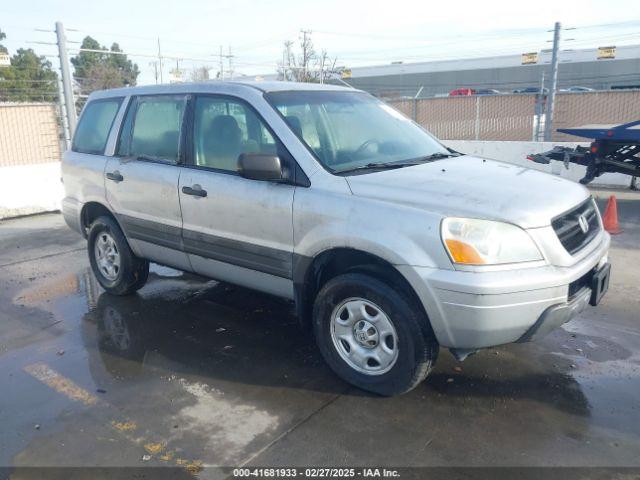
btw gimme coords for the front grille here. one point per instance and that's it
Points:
(567, 226)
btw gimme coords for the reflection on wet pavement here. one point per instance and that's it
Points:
(215, 330)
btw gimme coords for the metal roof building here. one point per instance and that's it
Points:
(601, 68)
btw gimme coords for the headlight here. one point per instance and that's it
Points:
(484, 242)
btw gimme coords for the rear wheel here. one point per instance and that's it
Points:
(113, 263)
(372, 335)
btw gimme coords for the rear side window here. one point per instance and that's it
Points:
(156, 127)
(94, 127)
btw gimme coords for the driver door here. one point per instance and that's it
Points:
(235, 229)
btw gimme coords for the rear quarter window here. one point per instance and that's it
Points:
(95, 124)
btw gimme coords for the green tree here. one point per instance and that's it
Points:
(128, 70)
(29, 78)
(101, 70)
(2, 47)
(83, 62)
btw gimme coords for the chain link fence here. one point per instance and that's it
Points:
(517, 117)
(29, 134)
(594, 108)
(480, 117)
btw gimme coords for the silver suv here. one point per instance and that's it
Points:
(390, 244)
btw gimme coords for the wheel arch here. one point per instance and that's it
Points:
(92, 210)
(311, 273)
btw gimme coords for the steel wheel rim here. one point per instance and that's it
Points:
(364, 336)
(107, 256)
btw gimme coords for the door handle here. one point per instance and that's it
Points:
(196, 191)
(115, 176)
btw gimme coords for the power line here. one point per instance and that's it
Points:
(524, 40)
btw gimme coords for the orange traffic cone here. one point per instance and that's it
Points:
(610, 217)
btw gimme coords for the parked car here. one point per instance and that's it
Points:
(390, 244)
(577, 89)
(535, 90)
(462, 92)
(487, 91)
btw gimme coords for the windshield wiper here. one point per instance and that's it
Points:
(400, 164)
(380, 166)
(437, 156)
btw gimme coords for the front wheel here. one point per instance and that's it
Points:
(373, 336)
(113, 263)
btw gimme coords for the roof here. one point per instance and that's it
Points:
(623, 52)
(217, 86)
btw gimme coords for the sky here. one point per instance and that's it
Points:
(355, 32)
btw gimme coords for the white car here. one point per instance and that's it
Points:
(390, 244)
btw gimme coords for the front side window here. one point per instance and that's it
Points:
(225, 128)
(156, 127)
(351, 130)
(94, 127)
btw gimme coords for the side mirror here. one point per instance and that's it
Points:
(260, 166)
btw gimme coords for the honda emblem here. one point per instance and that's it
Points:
(584, 223)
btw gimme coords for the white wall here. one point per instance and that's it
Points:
(516, 153)
(27, 189)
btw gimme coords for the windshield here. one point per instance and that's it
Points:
(351, 130)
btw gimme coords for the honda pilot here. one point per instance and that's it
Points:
(390, 244)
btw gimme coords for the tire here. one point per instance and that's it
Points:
(407, 351)
(121, 333)
(130, 273)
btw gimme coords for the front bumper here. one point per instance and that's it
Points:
(471, 310)
(556, 315)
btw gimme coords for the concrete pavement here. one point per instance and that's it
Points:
(191, 373)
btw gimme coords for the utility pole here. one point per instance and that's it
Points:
(154, 64)
(230, 59)
(284, 65)
(553, 83)
(67, 86)
(221, 64)
(160, 60)
(539, 108)
(221, 59)
(306, 53)
(63, 116)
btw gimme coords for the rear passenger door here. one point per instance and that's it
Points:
(142, 178)
(235, 229)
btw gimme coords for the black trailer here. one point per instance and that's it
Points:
(613, 149)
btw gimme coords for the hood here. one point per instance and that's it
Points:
(468, 186)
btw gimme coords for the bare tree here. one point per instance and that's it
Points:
(308, 66)
(284, 69)
(200, 74)
(327, 67)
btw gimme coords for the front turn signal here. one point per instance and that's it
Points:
(463, 253)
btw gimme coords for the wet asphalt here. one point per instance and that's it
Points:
(192, 373)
